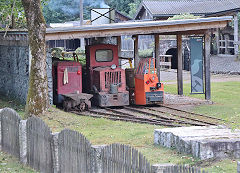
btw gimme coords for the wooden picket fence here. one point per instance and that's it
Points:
(39, 151)
(70, 152)
(10, 132)
(124, 159)
(74, 152)
(183, 169)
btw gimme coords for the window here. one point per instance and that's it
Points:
(104, 55)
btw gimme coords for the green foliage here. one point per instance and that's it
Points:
(81, 55)
(68, 10)
(145, 53)
(133, 8)
(59, 53)
(61, 11)
(183, 16)
(56, 11)
(14, 7)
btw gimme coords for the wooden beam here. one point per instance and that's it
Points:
(236, 47)
(217, 40)
(180, 65)
(88, 32)
(136, 55)
(207, 43)
(157, 55)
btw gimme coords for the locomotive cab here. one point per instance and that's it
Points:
(147, 88)
(104, 77)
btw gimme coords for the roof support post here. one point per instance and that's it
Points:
(207, 66)
(217, 40)
(157, 55)
(119, 44)
(236, 34)
(180, 65)
(136, 56)
(82, 42)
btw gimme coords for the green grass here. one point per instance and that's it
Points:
(226, 105)
(226, 98)
(6, 102)
(101, 131)
(9, 164)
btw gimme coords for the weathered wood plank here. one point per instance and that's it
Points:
(121, 158)
(180, 65)
(74, 152)
(207, 43)
(157, 55)
(39, 150)
(10, 121)
(136, 28)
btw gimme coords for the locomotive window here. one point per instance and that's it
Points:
(104, 55)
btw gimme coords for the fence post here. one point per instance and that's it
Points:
(96, 156)
(238, 167)
(55, 152)
(23, 141)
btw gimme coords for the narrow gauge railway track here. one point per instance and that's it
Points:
(129, 118)
(181, 114)
(162, 115)
(159, 117)
(202, 115)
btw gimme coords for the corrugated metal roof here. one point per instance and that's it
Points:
(187, 6)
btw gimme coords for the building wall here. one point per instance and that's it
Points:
(14, 69)
(15, 66)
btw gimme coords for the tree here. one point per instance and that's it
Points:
(133, 8)
(12, 14)
(37, 99)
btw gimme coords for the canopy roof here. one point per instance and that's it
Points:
(186, 27)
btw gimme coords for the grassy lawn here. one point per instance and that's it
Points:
(101, 131)
(226, 98)
(9, 164)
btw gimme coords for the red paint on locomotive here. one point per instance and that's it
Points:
(67, 79)
(105, 78)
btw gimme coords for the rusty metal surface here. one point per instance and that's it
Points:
(104, 99)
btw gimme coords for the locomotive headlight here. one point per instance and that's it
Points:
(113, 66)
(159, 85)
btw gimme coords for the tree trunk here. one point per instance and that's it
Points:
(37, 99)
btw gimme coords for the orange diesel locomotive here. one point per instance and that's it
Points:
(148, 90)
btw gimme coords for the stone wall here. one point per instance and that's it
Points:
(14, 69)
(15, 66)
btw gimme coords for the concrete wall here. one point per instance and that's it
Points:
(14, 69)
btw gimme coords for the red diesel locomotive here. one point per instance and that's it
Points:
(106, 80)
(103, 79)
